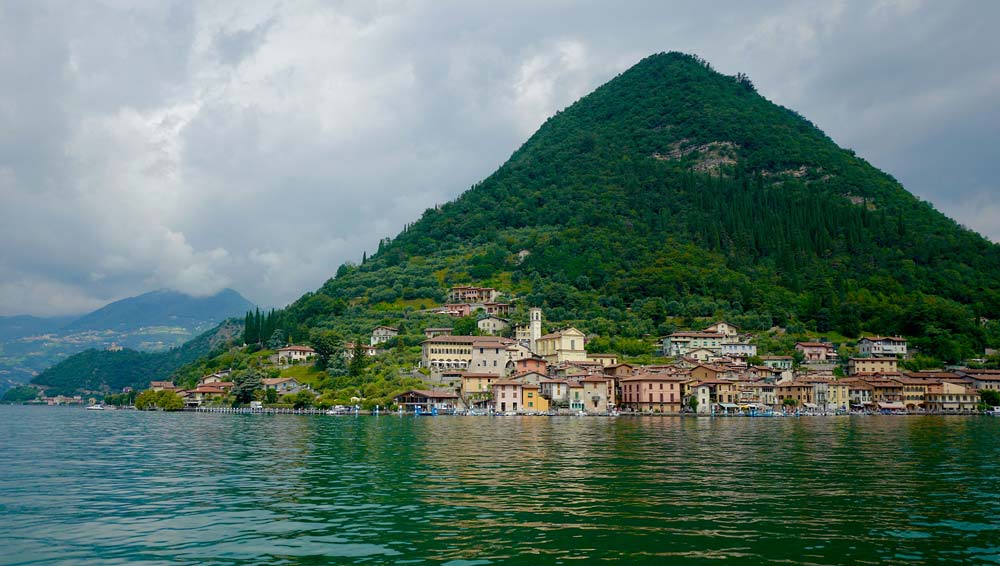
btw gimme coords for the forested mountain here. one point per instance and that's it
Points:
(108, 372)
(152, 322)
(670, 195)
(163, 308)
(676, 191)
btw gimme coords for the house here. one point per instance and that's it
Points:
(492, 325)
(948, 397)
(723, 327)
(758, 392)
(884, 390)
(216, 380)
(817, 351)
(680, 343)
(283, 385)
(563, 346)
(426, 400)
(532, 400)
(294, 354)
(531, 363)
(983, 378)
(507, 395)
(879, 346)
(496, 309)
(703, 372)
(382, 334)
(738, 349)
(437, 331)
(838, 396)
(477, 388)
(575, 395)
(203, 394)
(598, 394)
(350, 347)
(701, 354)
(555, 390)
(619, 370)
(914, 392)
(856, 366)
(162, 386)
(653, 392)
(777, 362)
(465, 294)
(713, 395)
(802, 393)
(605, 360)
(455, 310)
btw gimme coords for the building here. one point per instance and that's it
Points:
(777, 362)
(680, 343)
(463, 294)
(945, 397)
(817, 351)
(715, 395)
(555, 390)
(479, 354)
(983, 378)
(861, 366)
(838, 396)
(350, 347)
(382, 334)
(283, 385)
(531, 363)
(437, 331)
(653, 392)
(492, 325)
(801, 392)
(426, 400)
(619, 370)
(598, 394)
(880, 346)
(534, 328)
(914, 392)
(496, 309)
(507, 395)
(738, 349)
(162, 386)
(532, 401)
(295, 354)
(723, 327)
(606, 360)
(701, 355)
(456, 310)
(563, 346)
(575, 396)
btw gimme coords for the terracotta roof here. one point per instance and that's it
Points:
(470, 374)
(696, 334)
(468, 340)
(296, 349)
(890, 338)
(656, 377)
(815, 344)
(881, 359)
(277, 380)
(393, 328)
(207, 389)
(593, 378)
(431, 394)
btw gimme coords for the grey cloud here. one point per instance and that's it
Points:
(260, 144)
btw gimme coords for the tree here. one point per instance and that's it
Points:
(246, 384)
(990, 397)
(359, 361)
(327, 343)
(277, 339)
(465, 326)
(693, 403)
(300, 400)
(270, 396)
(20, 394)
(337, 366)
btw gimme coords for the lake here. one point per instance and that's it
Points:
(115, 487)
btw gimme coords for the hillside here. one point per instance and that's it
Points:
(669, 196)
(103, 371)
(163, 308)
(151, 322)
(675, 192)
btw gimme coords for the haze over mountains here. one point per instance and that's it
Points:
(151, 322)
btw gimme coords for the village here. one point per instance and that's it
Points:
(714, 370)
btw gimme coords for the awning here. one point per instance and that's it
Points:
(809, 405)
(729, 406)
(892, 406)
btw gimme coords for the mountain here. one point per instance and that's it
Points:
(163, 308)
(671, 195)
(674, 192)
(104, 371)
(151, 322)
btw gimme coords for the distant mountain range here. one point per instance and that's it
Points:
(152, 322)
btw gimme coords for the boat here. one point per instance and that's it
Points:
(97, 407)
(995, 411)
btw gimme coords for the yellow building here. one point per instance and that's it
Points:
(838, 395)
(856, 366)
(563, 346)
(532, 400)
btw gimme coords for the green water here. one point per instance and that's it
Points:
(115, 487)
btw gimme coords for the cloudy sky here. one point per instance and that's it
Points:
(259, 145)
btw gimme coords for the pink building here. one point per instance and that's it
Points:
(817, 351)
(655, 392)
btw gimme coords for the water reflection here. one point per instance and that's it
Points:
(151, 488)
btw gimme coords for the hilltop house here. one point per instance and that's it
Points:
(724, 328)
(882, 346)
(291, 354)
(464, 294)
(681, 343)
(817, 351)
(283, 385)
(492, 325)
(382, 334)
